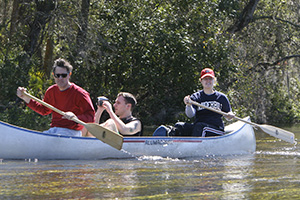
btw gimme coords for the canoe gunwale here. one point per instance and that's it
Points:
(128, 138)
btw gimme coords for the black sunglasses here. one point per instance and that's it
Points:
(60, 75)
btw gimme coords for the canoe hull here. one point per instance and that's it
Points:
(21, 143)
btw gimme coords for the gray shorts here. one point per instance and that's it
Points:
(63, 131)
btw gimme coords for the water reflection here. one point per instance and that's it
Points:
(236, 177)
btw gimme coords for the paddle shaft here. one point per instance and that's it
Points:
(75, 119)
(222, 113)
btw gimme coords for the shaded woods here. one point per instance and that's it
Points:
(155, 50)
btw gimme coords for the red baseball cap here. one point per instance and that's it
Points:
(207, 72)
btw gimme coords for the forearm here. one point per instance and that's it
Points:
(98, 115)
(125, 129)
(121, 126)
(39, 108)
(190, 111)
(88, 116)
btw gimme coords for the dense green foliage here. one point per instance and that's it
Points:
(155, 50)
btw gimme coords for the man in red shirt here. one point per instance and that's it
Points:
(65, 96)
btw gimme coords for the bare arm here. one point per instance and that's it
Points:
(131, 128)
(125, 129)
(189, 110)
(98, 113)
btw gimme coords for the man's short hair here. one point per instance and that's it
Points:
(62, 63)
(129, 98)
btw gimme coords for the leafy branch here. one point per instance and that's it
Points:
(277, 62)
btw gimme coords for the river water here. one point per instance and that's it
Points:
(272, 172)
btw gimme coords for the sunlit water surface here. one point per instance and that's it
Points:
(272, 172)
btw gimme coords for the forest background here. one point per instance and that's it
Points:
(156, 50)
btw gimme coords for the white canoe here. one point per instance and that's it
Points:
(21, 143)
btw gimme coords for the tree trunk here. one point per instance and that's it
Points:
(48, 59)
(14, 17)
(245, 17)
(4, 15)
(42, 16)
(82, 30)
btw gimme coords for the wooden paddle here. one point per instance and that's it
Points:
(271, 130)
(105, 135)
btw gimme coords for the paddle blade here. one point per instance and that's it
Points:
(105, 135)
(278, 133)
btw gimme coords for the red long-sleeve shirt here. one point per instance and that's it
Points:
(74, 99)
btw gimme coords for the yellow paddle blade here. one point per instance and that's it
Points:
(278, 133)
(105, 135)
